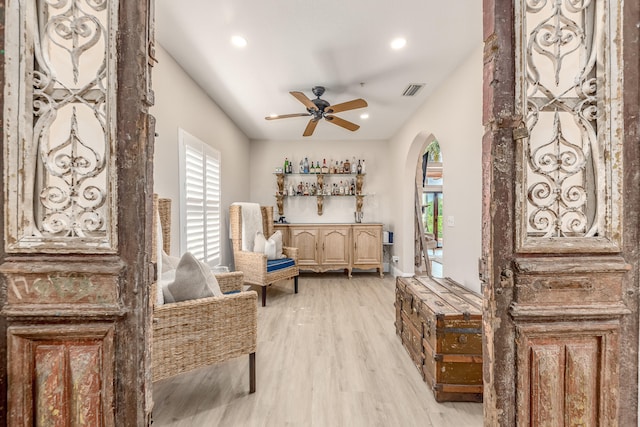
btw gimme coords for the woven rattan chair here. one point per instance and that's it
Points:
(192, 334)
(254, 265)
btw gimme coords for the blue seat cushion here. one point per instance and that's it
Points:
(279, 264)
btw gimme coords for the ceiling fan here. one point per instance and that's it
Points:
(319, 108)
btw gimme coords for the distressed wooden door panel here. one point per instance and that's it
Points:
(565, 371)
(75, 260)
(61, 375)
(560, 265)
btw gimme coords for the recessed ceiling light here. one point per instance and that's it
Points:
(364, 116)
(398, 43)
(238, 41)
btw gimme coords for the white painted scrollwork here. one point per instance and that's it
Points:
(565, 51)
(63, 144)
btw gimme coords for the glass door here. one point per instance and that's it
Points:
(432, 214)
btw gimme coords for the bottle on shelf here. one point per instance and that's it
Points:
(289, 167)
(318, 168)
(363, 166)
(352, 188)
(359, 168)
(347, 166)
(341, 188)
(324, 169)
(305, 166)
(286, 165)
(341, 167)
(301, 170)
(354, 166)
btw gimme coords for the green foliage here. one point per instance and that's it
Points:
(434, 151)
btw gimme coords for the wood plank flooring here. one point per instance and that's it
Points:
(328, 356)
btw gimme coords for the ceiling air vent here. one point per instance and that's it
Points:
(412, 89)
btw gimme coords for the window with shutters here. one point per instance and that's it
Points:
(200, 199)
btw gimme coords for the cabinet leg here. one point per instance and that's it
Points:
(264, 296)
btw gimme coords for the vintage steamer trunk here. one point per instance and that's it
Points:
(440, 326)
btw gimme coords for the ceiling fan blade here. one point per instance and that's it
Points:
(303, 98)
(311, 126)
(342, 123)
(349, 105)
(286, 116)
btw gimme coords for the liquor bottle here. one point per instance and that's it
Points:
(359, 167)
(347, 166)
(318, 168)
(312, 168)
(353, 165)
(341, 188)
(341, 167)
(363, 166)
(290, 167)
(301, 170)
(325, 169)
(306, 165)
(286, 165)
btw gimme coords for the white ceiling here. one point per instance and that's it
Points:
(294, 45)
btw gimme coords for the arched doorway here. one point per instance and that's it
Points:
(429, 214)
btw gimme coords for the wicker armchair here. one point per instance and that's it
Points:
(192, 334)
(254, 265)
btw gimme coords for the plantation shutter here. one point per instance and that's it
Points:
(201, 200)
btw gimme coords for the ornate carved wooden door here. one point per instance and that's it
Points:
(560, 212)
(77, 184)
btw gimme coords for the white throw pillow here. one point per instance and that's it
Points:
(169, 262)
(277, 239)
(270, 249)
(193, 280)
(165, 280)
(259, 242)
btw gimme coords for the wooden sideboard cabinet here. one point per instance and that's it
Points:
(326, 247)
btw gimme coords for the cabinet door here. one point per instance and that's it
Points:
(306, 240)
(335, 246)
(367, 245)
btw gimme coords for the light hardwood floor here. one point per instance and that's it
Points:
(328, 356)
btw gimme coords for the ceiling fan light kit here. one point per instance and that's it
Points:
(319, 108)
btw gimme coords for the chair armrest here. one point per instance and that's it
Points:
(230, 282)
(291, 252)
(253, 265)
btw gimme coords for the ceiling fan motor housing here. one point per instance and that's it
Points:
(320, 103)
(317, 90)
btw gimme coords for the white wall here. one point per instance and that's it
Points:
(181, 103)
(453, 114)
(378, 183)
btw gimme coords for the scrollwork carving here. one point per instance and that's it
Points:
(562, 153)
